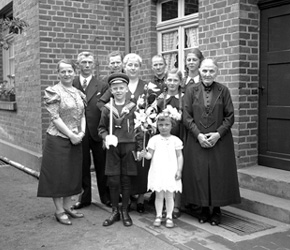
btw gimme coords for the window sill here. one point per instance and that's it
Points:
(6, 105)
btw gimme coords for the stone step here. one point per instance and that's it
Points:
(266, 205)
(266, 180)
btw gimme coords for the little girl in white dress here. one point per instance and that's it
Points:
(165, 152)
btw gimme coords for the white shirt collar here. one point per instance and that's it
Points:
(83, 78)
(196, 79)
(168, 96)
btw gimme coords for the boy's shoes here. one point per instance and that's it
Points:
(127, 221)
(115, 216)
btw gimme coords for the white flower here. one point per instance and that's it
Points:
(171, 112)
(140, 101)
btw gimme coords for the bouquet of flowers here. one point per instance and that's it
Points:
(146, 112)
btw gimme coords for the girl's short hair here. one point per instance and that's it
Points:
(174, 71)
(66, 61)
(163, 117)
(132, 56)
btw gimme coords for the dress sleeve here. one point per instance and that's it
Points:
(178, 144)
(151, 143)
(52, 102)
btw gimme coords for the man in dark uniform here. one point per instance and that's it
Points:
(93, 89)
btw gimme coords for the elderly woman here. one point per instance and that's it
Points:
(61, 167)
(210, 173)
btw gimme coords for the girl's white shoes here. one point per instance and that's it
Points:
(169, 222)
(157, 222)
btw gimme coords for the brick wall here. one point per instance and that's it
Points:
(69, 27)
(20, 128)
(229, 32)
(143, 33)
(57, 29)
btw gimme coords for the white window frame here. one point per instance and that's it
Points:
(8, 60)
(181, 23)
(8, 56)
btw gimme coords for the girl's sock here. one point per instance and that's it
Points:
(169, 201)
(159, 203)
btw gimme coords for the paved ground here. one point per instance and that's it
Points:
(27, 222)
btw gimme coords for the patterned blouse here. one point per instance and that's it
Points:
(67, 104)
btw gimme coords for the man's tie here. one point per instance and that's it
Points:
(85, 84)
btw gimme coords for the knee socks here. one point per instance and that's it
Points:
(169, 201)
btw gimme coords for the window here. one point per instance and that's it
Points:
(8, 62)
(8, 55)
(177, 27)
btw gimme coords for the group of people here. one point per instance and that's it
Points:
(189, 162)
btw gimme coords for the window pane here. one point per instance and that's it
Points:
(190, 7)
(170, 41)
(171, 60)
(169, 10)
(191, 38)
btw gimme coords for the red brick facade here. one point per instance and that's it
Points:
(58, 29)
(230, 33)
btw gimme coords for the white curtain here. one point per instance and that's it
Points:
(170, 42)
(192, 37)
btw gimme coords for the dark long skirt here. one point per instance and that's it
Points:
(61, 168)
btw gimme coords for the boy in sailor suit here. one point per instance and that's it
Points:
(120, 140)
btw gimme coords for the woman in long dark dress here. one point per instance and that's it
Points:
(210, 172)
(132, 67)
(61, 167)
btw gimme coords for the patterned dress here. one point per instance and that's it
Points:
(61, 167)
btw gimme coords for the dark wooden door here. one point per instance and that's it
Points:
(274, 88)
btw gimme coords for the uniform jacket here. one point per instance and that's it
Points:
(123, 124)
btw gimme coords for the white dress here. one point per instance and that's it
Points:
(161, 176)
